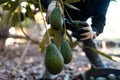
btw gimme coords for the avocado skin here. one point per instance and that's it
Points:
(66, 51)
(56, 19)
(54, 61)
(112, 77)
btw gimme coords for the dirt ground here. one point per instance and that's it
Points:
(32, 66)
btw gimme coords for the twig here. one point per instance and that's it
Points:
(21, 58)
(28, 36)
(16, 36)
(12, 36)
(26, 49)
(22, 27)
(44, 21)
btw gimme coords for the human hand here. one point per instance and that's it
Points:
(51, 7)
(89, 34)
(84, 33)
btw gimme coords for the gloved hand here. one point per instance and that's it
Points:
(84, 33)
(51, 7)
(89, 34)
(77, 33)
(75, 25)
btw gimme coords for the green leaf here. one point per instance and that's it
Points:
(101, 53)
(10, 5)
(69, 37)
(7, 6)
(71, 6)
(3, 1)
(29, 12)
(57, 34)
(71, 1)
(45, 40)
(15, 19)
(74, 44)
(6, 17)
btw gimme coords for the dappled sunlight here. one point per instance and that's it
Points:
(9, 41)
(116, 58)
(72, 65)
(12, 30)
(84, 68)
(82, 54)
(29, 60)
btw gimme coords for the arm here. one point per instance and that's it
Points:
(99, 16)
(98, 21)
(45, 3)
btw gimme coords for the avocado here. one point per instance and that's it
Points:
(101, 78)
(66, 51)
(54, 61)
(112, 77)
(56, 19)
(91, 78)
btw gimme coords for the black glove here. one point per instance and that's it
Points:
(85, 33)
(79, 24)
(80, 29)
(78, 32)
(75, 24)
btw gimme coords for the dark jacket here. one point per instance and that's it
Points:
(94, 9)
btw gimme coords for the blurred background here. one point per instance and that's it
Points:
(111, 30)
(18, 54)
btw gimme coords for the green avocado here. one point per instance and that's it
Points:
(112, 77)
(91, 78)
(56, 19)
(101, 78)
(66, 51)
(54, 61)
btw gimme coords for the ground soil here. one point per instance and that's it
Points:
(32, 66)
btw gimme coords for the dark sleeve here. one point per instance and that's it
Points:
(99, 16)
(45, 3)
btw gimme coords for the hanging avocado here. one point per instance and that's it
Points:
(56, 19)
(54, 61)
(66, 51)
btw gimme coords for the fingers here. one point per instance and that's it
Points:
(82, 33)
(87, 35)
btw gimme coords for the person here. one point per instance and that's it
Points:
(94, 9)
